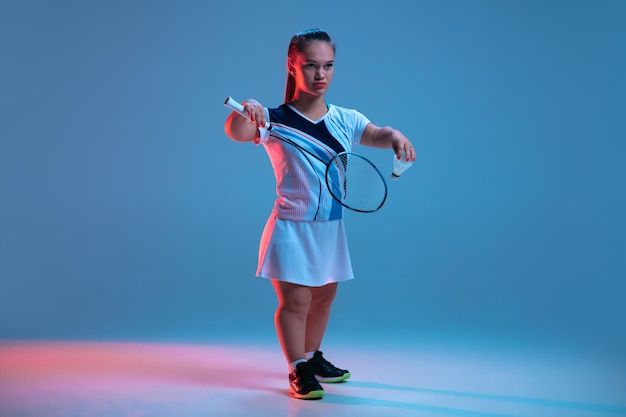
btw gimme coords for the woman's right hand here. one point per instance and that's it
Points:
(239, 128)
(255, 111)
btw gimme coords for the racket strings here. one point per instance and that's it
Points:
(356, 182)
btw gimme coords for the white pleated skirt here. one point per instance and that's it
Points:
(303, 252)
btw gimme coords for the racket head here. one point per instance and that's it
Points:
(356, 183)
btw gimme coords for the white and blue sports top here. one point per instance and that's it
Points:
(300, 178)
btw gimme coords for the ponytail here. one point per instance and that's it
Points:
(291, 87)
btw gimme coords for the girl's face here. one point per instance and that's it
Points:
(313, 68)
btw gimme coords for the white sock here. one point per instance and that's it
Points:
(292, 365)
(309, 355)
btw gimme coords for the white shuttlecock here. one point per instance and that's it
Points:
(399, 166)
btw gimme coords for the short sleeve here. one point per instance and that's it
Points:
(359, 122)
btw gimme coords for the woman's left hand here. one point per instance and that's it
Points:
(402, 145)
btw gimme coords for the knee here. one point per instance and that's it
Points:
(295, 305)
(323, 302)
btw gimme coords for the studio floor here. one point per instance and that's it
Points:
(131, 379)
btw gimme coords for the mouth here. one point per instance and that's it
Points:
(319, 85)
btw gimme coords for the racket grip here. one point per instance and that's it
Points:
(232, 104)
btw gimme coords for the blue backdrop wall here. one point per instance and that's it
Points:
(126, 212)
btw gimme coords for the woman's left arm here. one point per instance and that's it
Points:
(387, 137)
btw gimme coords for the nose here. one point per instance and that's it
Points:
(320, 73)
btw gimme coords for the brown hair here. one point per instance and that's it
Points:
(297, 44)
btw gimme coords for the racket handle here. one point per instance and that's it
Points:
(232, 104)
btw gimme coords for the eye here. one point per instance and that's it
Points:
(329, 65)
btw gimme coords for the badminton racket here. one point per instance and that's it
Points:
(352, 179)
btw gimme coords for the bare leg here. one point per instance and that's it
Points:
(318, 315)
(290, 318)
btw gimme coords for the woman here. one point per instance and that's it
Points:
(303, 248)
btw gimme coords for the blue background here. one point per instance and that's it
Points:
(126, 213)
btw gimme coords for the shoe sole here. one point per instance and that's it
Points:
(313, 395)
(333, 380)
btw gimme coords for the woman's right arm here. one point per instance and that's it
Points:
(245, 129)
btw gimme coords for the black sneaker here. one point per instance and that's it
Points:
(303, 384)
(326, 371)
